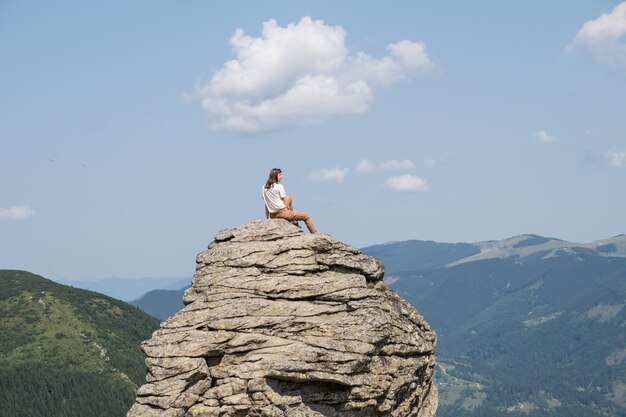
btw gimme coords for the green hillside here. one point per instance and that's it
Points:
(533, 336)
(65, 351)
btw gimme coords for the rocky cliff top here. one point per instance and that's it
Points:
(279, 322)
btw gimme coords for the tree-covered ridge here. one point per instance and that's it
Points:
(60, 343)
(540, 336)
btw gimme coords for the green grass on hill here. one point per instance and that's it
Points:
(536, 337)
(66, 351)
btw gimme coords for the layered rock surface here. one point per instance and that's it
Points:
(279, 322)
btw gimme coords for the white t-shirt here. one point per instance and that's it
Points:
(273, 197)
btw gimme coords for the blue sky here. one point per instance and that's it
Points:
(131, 132)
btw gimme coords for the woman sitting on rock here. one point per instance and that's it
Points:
(278, 205)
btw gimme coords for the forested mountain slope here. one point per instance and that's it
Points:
(65, 351)
(529, 325)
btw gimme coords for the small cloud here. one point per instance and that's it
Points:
(364, 167)
(16, 213)
(301, 74)
(545, 137)
(603, 37)
(616, 159)
(335, 174)
(406, 183)
(394, 165)
(433, 162)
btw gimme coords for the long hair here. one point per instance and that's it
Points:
(273, 178)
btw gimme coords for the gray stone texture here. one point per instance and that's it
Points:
(279, 322)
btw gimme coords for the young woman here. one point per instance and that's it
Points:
(278, 205)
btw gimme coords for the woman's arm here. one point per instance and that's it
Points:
(288, 202)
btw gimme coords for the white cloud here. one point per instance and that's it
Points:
(406, 183)
(616, 159)
(301, 74)
(544, 136)
(443, 159)
(603, 37)
(16, 213)
(365, 167)
(394, 165)
(334, 174)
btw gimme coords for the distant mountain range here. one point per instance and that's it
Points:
(417, 254)
(129, 289)
(161, 303)
(66, 351)
(527, 326)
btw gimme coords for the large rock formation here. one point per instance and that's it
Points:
(279, 322)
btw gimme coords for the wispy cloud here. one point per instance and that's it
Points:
(301, 74)
(406, 182)
(603, 37)
(616, 159)
(545, 137)
(334, 174)
(611, 159)
(16, 213)
(433, 162)
(365, 166)
(399, 182)
(394, 165)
